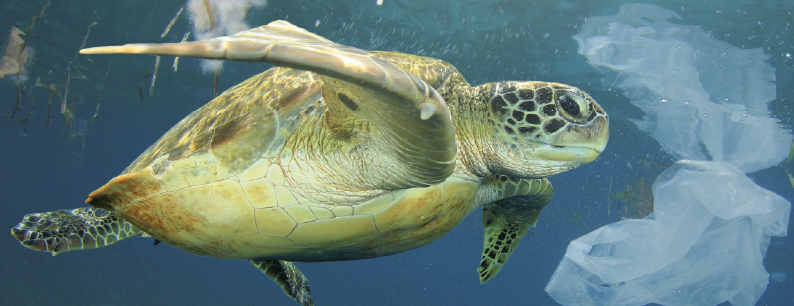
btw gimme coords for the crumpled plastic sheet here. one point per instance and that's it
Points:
(704, 99)
(703, 245)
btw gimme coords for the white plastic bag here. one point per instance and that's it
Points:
(703, 245)
(704, 99)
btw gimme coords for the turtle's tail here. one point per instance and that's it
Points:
(77, 229)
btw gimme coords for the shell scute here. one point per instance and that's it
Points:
(145, 213)
(198, 170)
(242, 246)
(322, 213)
(346, 234)
(420, 216)
(341, 211)
(300, 213)
(256, 171)
(373, 206)
(172, 208)
(412, 210)
(274, 221)
(285, 197)
(275, 175)
(223, 205)
(260, 193)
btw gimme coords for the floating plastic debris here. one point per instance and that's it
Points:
(653, 59)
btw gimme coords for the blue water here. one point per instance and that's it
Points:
(49, 168)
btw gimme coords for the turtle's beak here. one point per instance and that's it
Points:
(578, 143)
(577, 155)
(588, 155)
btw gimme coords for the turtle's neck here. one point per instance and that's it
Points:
(474, 131)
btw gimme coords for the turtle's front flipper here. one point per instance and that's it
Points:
(77, 229)
(282, 44)
(507, 220)
(413, 123)
(287, 275)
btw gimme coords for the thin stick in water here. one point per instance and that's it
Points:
(154, 74)
(209, 12)
(176, 59)
(173, 20)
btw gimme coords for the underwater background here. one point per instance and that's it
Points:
(54, 151)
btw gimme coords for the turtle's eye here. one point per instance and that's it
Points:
(569, 105)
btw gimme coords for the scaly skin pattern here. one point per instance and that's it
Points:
(77, 229)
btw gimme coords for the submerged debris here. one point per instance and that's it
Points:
(638, 198)
(66, 108)
(173, 20)
(184, 39)
(16, 57)
(154, 74)
(16, 54)
(53, 90)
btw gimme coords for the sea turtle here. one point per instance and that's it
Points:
(335, 154)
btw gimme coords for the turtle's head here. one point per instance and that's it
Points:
(543, 128)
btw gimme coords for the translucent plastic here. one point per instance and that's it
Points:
(703, 245)
(704, 99)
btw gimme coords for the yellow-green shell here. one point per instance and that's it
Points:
(242, 178)
(257, 215)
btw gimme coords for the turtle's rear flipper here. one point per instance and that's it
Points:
(286, 275)
(77, 229)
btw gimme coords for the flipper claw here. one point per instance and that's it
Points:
(427, 110)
